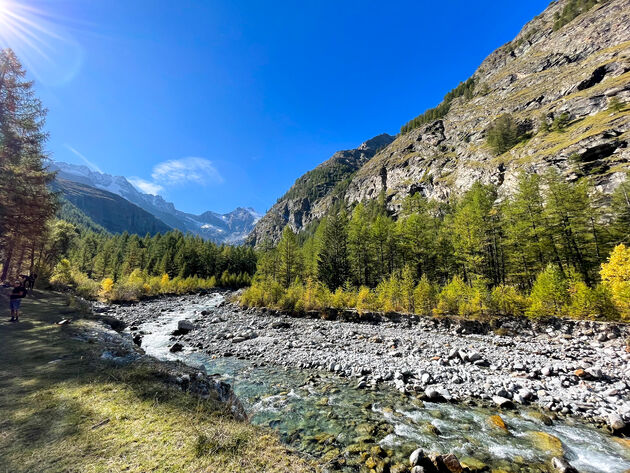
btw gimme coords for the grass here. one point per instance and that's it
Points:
(63, 409)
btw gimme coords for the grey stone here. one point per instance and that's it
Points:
(562, 466)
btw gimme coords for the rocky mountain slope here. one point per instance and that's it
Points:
(108, 210)
(232, 227)
(561, 69)
(316, 191)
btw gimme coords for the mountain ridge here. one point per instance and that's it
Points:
(232, 227)
(556, 81)
(315, 190)
(107, 209)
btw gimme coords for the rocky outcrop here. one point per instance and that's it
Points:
(542, 74)
(315, 192)
(539, 76)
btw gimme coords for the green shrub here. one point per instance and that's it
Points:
(454, 294)
(507, 300)
(464, 89)
(560, 122)
(503, 134)
(549, 294)
(571, 10)
(62, 274)
(615, 105)
(365, 300)
(425, 296)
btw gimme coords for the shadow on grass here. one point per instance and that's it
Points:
(63, 408)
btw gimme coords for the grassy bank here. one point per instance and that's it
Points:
(64, 409)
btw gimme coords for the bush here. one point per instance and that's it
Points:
(62, 274)
(590, 303)
(84, 286)
(425, 298)
(549, 294)
(389, 294)
(107, 287)
(615, 105)
(571, 10)
(507, 300)
(454, 294)
(365, 300)
(560, 122)
(343, 299)
(293, 297)
(615, 276)
(503, 134)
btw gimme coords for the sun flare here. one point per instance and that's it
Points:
(41, 40)
(4, 11)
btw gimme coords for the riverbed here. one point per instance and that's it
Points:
(349, 393)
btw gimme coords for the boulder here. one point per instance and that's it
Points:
(503, 402)
(615, 422)
(560, 465)
(547, 442)
(176, 347)
(449, 463)
(437, 394)
(417, 457)
(185, 326)
(497, 421)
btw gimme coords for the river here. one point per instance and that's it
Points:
(324, 415)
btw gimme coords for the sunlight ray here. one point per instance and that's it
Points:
(50, 51)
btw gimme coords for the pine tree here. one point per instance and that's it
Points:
(528, 237)
(503, 134)
(620, 228)
(549, 294)
(568, 210)
(615, 274)
(290, 257)
(360, 247)
(473, 233)
(333, 266)
(26, 204)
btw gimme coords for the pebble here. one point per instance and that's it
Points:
(579, 368)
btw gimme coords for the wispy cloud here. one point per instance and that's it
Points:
(181, 171)
(83, 158)
(146, 186)
(177, 172)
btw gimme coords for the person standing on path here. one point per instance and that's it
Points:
(15, 299)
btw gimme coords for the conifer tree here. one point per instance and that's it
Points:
(360, 251)
(26, 204)
(333, 266)
(290, 257)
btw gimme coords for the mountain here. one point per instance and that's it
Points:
(313, 193)
(108, 210)
(554, 97)
(232, 227)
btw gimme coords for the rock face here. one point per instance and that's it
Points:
(540, 75)
(315, 192)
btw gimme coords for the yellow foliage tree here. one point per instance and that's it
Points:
(615, 276)
(164, 283)
(107, 286)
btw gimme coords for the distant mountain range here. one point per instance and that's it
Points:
(98, 196)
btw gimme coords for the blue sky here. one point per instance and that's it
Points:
(219, 104)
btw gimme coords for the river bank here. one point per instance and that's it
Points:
(386, 378)
(78, 396)
(577, 368)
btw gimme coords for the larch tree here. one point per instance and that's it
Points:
(26, 204)
(333, 266)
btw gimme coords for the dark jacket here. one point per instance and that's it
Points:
(18, 292)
